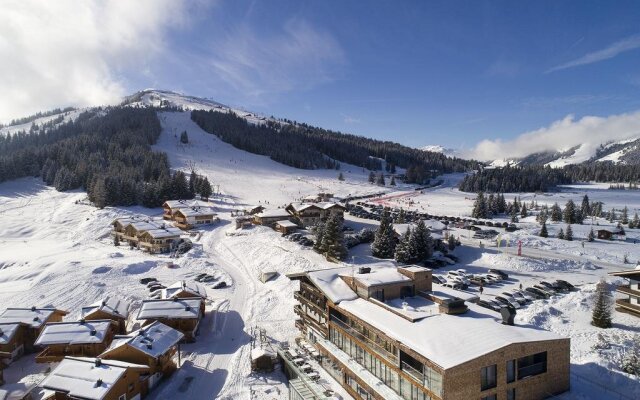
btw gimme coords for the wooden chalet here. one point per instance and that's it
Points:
(169, 207)
(96, 379)
(253, 210)
(12, 336)
(150, 235)
(186, 290)
(310, 214)
(318, 198)
(611, 234)
(154, 345)
(270, 217)
(190, 217)
(161, 240)
(629, 293)
(80, 338)
(286, 227)
(182, 314)
(32, 321)
(111, 308)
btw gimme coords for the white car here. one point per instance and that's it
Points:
(453, 276)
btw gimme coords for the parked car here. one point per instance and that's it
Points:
(548, 287)
(220, 285)
(458, 278)
(488, 305)
(498, 272)
(146, 281)
(510, 296)
(537, 293)
(437, 279)
(507, 301)
(453, 285)
(566, 285)
(479, 280)
(525, 295)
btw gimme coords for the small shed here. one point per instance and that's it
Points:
(263, 360)
(286, 227)
(610, 234)
(267, 275)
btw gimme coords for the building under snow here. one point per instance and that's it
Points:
(310, 214)
(182, 314)
(21, 327)
(111, 308)
(80, 338)
(628, 300)
(385, 333)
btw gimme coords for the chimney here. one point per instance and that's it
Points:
(508, 314)
(98, 363)
(104, 303)
(33, 308)
(99, 382)
(93, 332)
(187, 308)
(82, 321)
(149, 346)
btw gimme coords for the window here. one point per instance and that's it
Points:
(131, 387)
(511, 371)
(511, 394)
(488, 377)
(532, 365)
(122, 397)
(490, 397)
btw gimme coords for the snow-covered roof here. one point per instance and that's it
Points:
(298, 207)
(286, 224)
(164, 233)
(188, 308)
(110, 305)
(79, 332)
(260, 352)
(154, 340)
(443, 292)
(196, 211)
(146, 225)
(80, 377)
(329, 281)
(34, 317)
(193, 288)
(7, 332)
(178, 204)
(273, 213)
(447, 340)
(380, 276)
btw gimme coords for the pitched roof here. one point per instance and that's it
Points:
(287, 224)
(188, 308)
(193, 288)
(80, 377)
(166, 232)
(34, 317)
(273, 213)
(196, 211)
(110, 305)
(78, 332)
(154, 340)
(8, 331)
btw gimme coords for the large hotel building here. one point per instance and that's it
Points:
(388, 333)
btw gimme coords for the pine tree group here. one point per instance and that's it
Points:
(332, 244)
(601, 315)
(415, 245)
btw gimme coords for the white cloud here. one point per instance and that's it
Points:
(257, 65)
(65, 52)
(349, 119)
(621, 46)
(568, 132)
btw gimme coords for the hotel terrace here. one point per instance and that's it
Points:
(386, 333)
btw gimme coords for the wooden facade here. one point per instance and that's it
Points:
(34, 320)
(78, 343)
(310, 214)
(12, 337)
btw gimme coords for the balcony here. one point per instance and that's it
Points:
(320, 308)
(626, 289)
(381, 351)
(626, 305)
(414, 373)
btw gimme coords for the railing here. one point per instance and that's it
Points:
(625, 303)
(298, 296)
(381, 351)
(418, 375)
(626, 289)
(532, 370)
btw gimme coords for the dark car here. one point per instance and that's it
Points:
(565, 284)
(220, 285)
(502, 274)
(490, 306)
(537, 293)
(437, 279)
(144, 281)
(550, 287)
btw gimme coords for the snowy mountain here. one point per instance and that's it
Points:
(436, 148)
(625, 151)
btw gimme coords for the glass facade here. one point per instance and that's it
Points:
(488, 377)
(511, 371)
(532, 365)
(406, 388)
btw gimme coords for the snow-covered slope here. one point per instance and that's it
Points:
(436, 148)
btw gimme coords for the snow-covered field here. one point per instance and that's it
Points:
(56, 250)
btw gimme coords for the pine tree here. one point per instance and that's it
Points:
(556, 213)
(403, 251)
(620, 228)
(333, 245)
(561, 234)
(630, 362)
(380, 181)
(372, 177)
(624, 217)
(400, 219)
(612, 215)
(479, 207)
(393, 181)
(205, 189)
(635, 222)
(585, 208)
(422, 243)
(451, 243)
(601, 316)
(591, 236)
(384, 242)
(569, 233)
(569, 213)
(193, 177)
(116, 240)
(319, 231)
(340, 177)
(523, 211)
(543, 231)
(184, 138)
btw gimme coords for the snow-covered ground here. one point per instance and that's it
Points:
(56, 250)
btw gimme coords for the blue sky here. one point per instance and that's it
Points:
(416, 72)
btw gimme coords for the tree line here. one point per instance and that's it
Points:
(106, 152)
(533, 178)
(307, 147)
